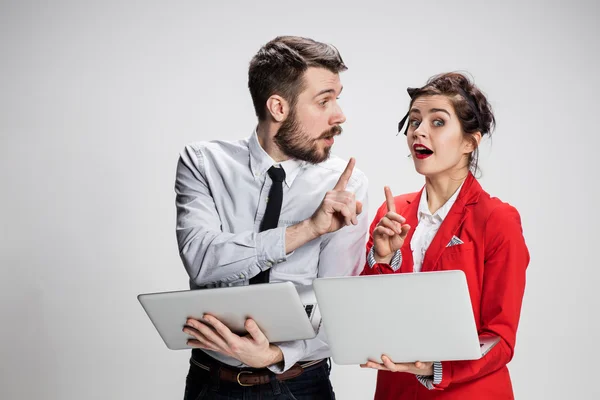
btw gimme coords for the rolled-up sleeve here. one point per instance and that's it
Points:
(210, 255)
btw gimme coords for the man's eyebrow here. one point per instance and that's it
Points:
(327, 91)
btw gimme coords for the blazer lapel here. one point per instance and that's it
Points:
(469, 194)
(412, 219)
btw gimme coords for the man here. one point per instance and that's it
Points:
(274, 207)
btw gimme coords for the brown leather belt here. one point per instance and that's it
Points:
(249, 377)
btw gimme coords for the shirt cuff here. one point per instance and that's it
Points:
(430, 381)
(270, 248)
(292, 353)
(394, 263)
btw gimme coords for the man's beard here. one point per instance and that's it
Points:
(295, 143)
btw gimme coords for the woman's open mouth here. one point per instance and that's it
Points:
(422, 152)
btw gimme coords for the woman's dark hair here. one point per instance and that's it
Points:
(470, 104)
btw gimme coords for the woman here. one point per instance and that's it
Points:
(457, 225)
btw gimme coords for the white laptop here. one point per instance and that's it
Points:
(410, 317)
(277, 308)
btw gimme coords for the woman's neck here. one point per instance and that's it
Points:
(441, 188)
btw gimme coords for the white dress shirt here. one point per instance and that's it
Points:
(222, 190)
(427, 227)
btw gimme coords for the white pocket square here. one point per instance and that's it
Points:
(454, 241)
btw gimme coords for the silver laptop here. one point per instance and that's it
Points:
(277, 308)
(423, 316)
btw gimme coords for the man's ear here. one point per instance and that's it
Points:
(278, 108)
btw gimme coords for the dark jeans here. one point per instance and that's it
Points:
(313, 384)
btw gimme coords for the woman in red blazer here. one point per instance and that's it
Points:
(452, 223)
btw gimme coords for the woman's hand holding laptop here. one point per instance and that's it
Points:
(418, 368)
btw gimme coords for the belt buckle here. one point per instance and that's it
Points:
(238, 378)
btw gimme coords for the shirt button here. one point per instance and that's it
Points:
(268, 263)
(280, 260)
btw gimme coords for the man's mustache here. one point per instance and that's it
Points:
(334, 131)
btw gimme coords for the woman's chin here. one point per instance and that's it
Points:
(422, 170)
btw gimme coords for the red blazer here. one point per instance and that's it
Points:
(494, 257)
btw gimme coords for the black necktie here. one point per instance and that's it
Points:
(271, 217)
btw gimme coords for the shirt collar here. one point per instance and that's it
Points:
(260, 162)
(443, 211)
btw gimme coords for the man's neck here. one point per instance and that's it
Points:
(265, 134)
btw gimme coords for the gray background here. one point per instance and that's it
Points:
(98, 98)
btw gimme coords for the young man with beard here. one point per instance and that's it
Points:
(270, 208)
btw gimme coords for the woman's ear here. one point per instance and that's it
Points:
(470, 145)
